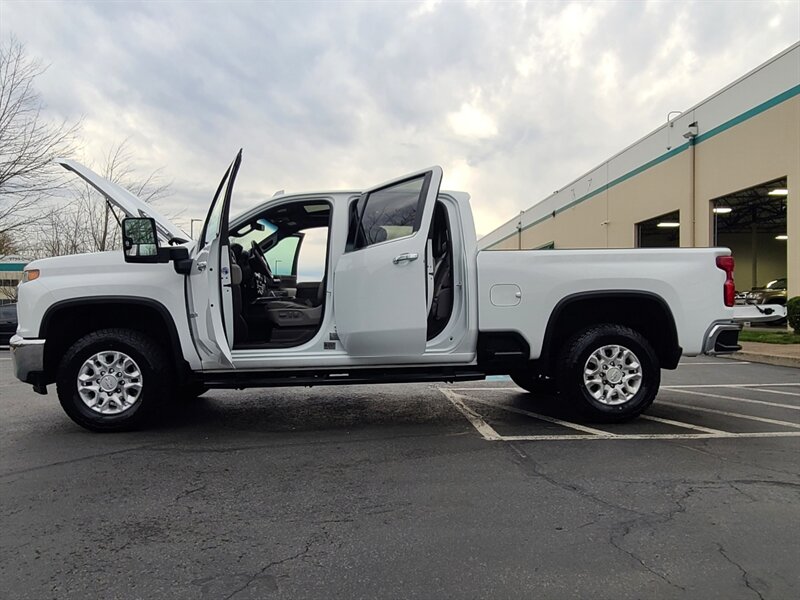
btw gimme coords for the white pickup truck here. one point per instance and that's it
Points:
(367, 286)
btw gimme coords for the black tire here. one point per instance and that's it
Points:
(534, 383)
(573, 360)
(153, 365)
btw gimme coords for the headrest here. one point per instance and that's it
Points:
(378, 235)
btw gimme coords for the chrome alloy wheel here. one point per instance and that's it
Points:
(612, 375)
(110, 382)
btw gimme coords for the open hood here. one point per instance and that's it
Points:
(124, 200)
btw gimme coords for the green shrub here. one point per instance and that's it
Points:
(793, 309)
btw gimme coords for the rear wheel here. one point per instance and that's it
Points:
(608, 373)
(113, 380)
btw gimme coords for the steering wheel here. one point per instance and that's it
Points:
(262, 266)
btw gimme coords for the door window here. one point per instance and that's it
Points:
(281, 257)
(386, 214)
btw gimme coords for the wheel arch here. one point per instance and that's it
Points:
(68, 320)
(646, 312)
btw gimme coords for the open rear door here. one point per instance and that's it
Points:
(380, 296)
(209, 283)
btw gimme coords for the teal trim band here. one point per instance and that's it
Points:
(749, 114)
(11, 267)
(764, 106)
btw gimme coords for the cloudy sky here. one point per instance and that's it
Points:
(513, 100)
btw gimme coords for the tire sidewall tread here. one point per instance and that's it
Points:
(572, 359)
(151, 360)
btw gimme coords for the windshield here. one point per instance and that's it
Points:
(776, 284)
(257, 231)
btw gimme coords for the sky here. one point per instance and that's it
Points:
(514, 100)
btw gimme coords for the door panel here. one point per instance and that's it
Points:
(380, 301)
(209, 291)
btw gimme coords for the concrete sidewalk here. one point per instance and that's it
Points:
(784, 355)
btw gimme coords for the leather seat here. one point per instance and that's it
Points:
(297, 313)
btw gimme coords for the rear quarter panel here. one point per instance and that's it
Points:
(688, 281)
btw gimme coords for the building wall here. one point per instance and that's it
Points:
(740, 143)
(10, 275)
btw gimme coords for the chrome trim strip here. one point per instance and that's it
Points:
(714, 332)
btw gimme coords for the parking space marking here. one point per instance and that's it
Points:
(477, 421)
(745, 400)
(552, 420)
(777, 392)
(488, 433)
(484, 389)
(682, 424)
(725, 363)
(729, 414)
(649, 436)
(728, 385)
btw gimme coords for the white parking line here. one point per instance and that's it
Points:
(728, 385)
(648, 436)
(735, 399)
(553, 420)
(726, 363)
(490, 434)
(477, 421)
(729, 414)
(682, 424)
(777, 392)
(484, 389)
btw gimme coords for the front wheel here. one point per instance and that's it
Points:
(113, 380)
(608, 373)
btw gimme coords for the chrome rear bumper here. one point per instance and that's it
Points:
(722, 338)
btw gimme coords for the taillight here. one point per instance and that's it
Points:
(729, 287)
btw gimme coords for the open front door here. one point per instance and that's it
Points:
(380, 296)
(209, 292)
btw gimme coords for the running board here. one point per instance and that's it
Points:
(255, 379)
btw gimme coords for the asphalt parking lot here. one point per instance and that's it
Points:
(410, 491)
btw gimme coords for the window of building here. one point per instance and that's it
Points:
(663, 231)
(752, 223)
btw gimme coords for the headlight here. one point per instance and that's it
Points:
(30, 275)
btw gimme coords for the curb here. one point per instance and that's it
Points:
(767, 359)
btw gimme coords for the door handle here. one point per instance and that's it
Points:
(201, 266)
(405, 257)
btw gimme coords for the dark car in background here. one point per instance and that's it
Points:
(772, 293)
(8, 322)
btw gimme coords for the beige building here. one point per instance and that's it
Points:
(11, 267)
(725, 172)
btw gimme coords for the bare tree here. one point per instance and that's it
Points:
(7, 245)
(28, 143)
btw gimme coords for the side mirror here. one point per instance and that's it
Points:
(140, 240)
